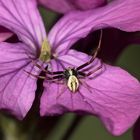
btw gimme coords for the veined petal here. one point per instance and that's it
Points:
(65, 6)
(123, 15)
(112, 94)
(22, 18)
(4, 34)
(17, 88)
(87, 4)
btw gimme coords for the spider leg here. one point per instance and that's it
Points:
(36, 76)
(35, 64)
(43, 69)
(89, 67)
(91, 72)
(54, 73)
(55, 77)
(57, 72)
(40, 67)
(94, 56)
(83, 75)
(58, 81)
(82, 72)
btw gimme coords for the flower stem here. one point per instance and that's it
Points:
(76, 121)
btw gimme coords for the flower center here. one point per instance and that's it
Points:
(45, 54)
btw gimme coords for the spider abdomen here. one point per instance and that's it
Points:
(73, 83)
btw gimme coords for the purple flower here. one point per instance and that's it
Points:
(113, 95)
(17, 88)
(65, 6)
(109, 93)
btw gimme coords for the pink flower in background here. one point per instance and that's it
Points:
(113, 96)
(65, 6)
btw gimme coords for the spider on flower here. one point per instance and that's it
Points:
(70, 74)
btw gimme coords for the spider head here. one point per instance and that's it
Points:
(70, 72)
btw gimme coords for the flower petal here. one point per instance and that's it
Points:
(22, 18)
(123, 15)
(17, 88)
(113, 95)
(87, 4)
(4, 34)
(66, 6)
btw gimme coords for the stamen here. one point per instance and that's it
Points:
(45, 54)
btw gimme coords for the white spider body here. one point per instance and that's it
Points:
(72, 80)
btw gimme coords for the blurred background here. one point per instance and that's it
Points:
(71, 126)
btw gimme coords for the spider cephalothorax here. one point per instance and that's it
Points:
(73, 75)
(70, 72)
